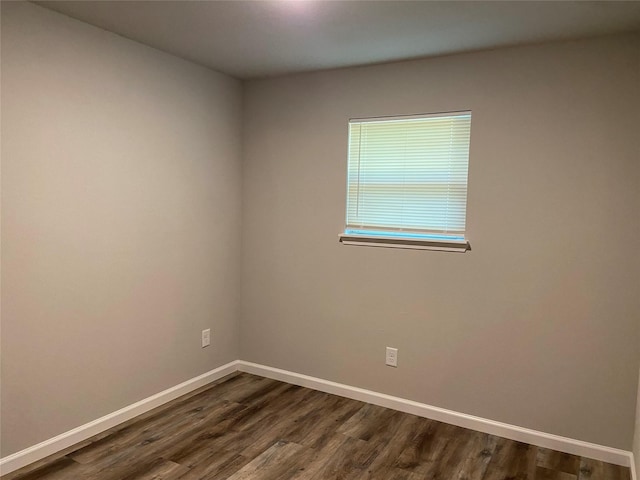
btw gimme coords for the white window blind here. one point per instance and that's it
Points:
(407, 176)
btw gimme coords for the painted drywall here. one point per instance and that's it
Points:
(120, 222)
(537, 325)
(636, 437)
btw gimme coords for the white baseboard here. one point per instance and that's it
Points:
(512, 432)
(88, 430)
(534, 437)
(634, 471)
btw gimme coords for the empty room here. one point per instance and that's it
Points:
(320, 239)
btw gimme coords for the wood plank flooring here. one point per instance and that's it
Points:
(247, 428)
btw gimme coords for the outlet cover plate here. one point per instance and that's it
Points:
(206, 337)
(392, 357)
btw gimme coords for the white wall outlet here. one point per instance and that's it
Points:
(392, 357)
(206, 337)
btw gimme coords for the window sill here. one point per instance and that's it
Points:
(459, 246)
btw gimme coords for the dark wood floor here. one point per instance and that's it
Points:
(247, 427)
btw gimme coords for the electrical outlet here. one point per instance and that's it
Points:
(206, 337)
(392, 357)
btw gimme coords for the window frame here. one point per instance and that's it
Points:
(405, 238)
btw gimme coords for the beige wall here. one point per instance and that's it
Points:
(120, 222)
(538, 325)
(636, 437)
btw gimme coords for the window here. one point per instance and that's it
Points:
(407, 181)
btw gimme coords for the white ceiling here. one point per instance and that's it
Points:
(249, 39)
